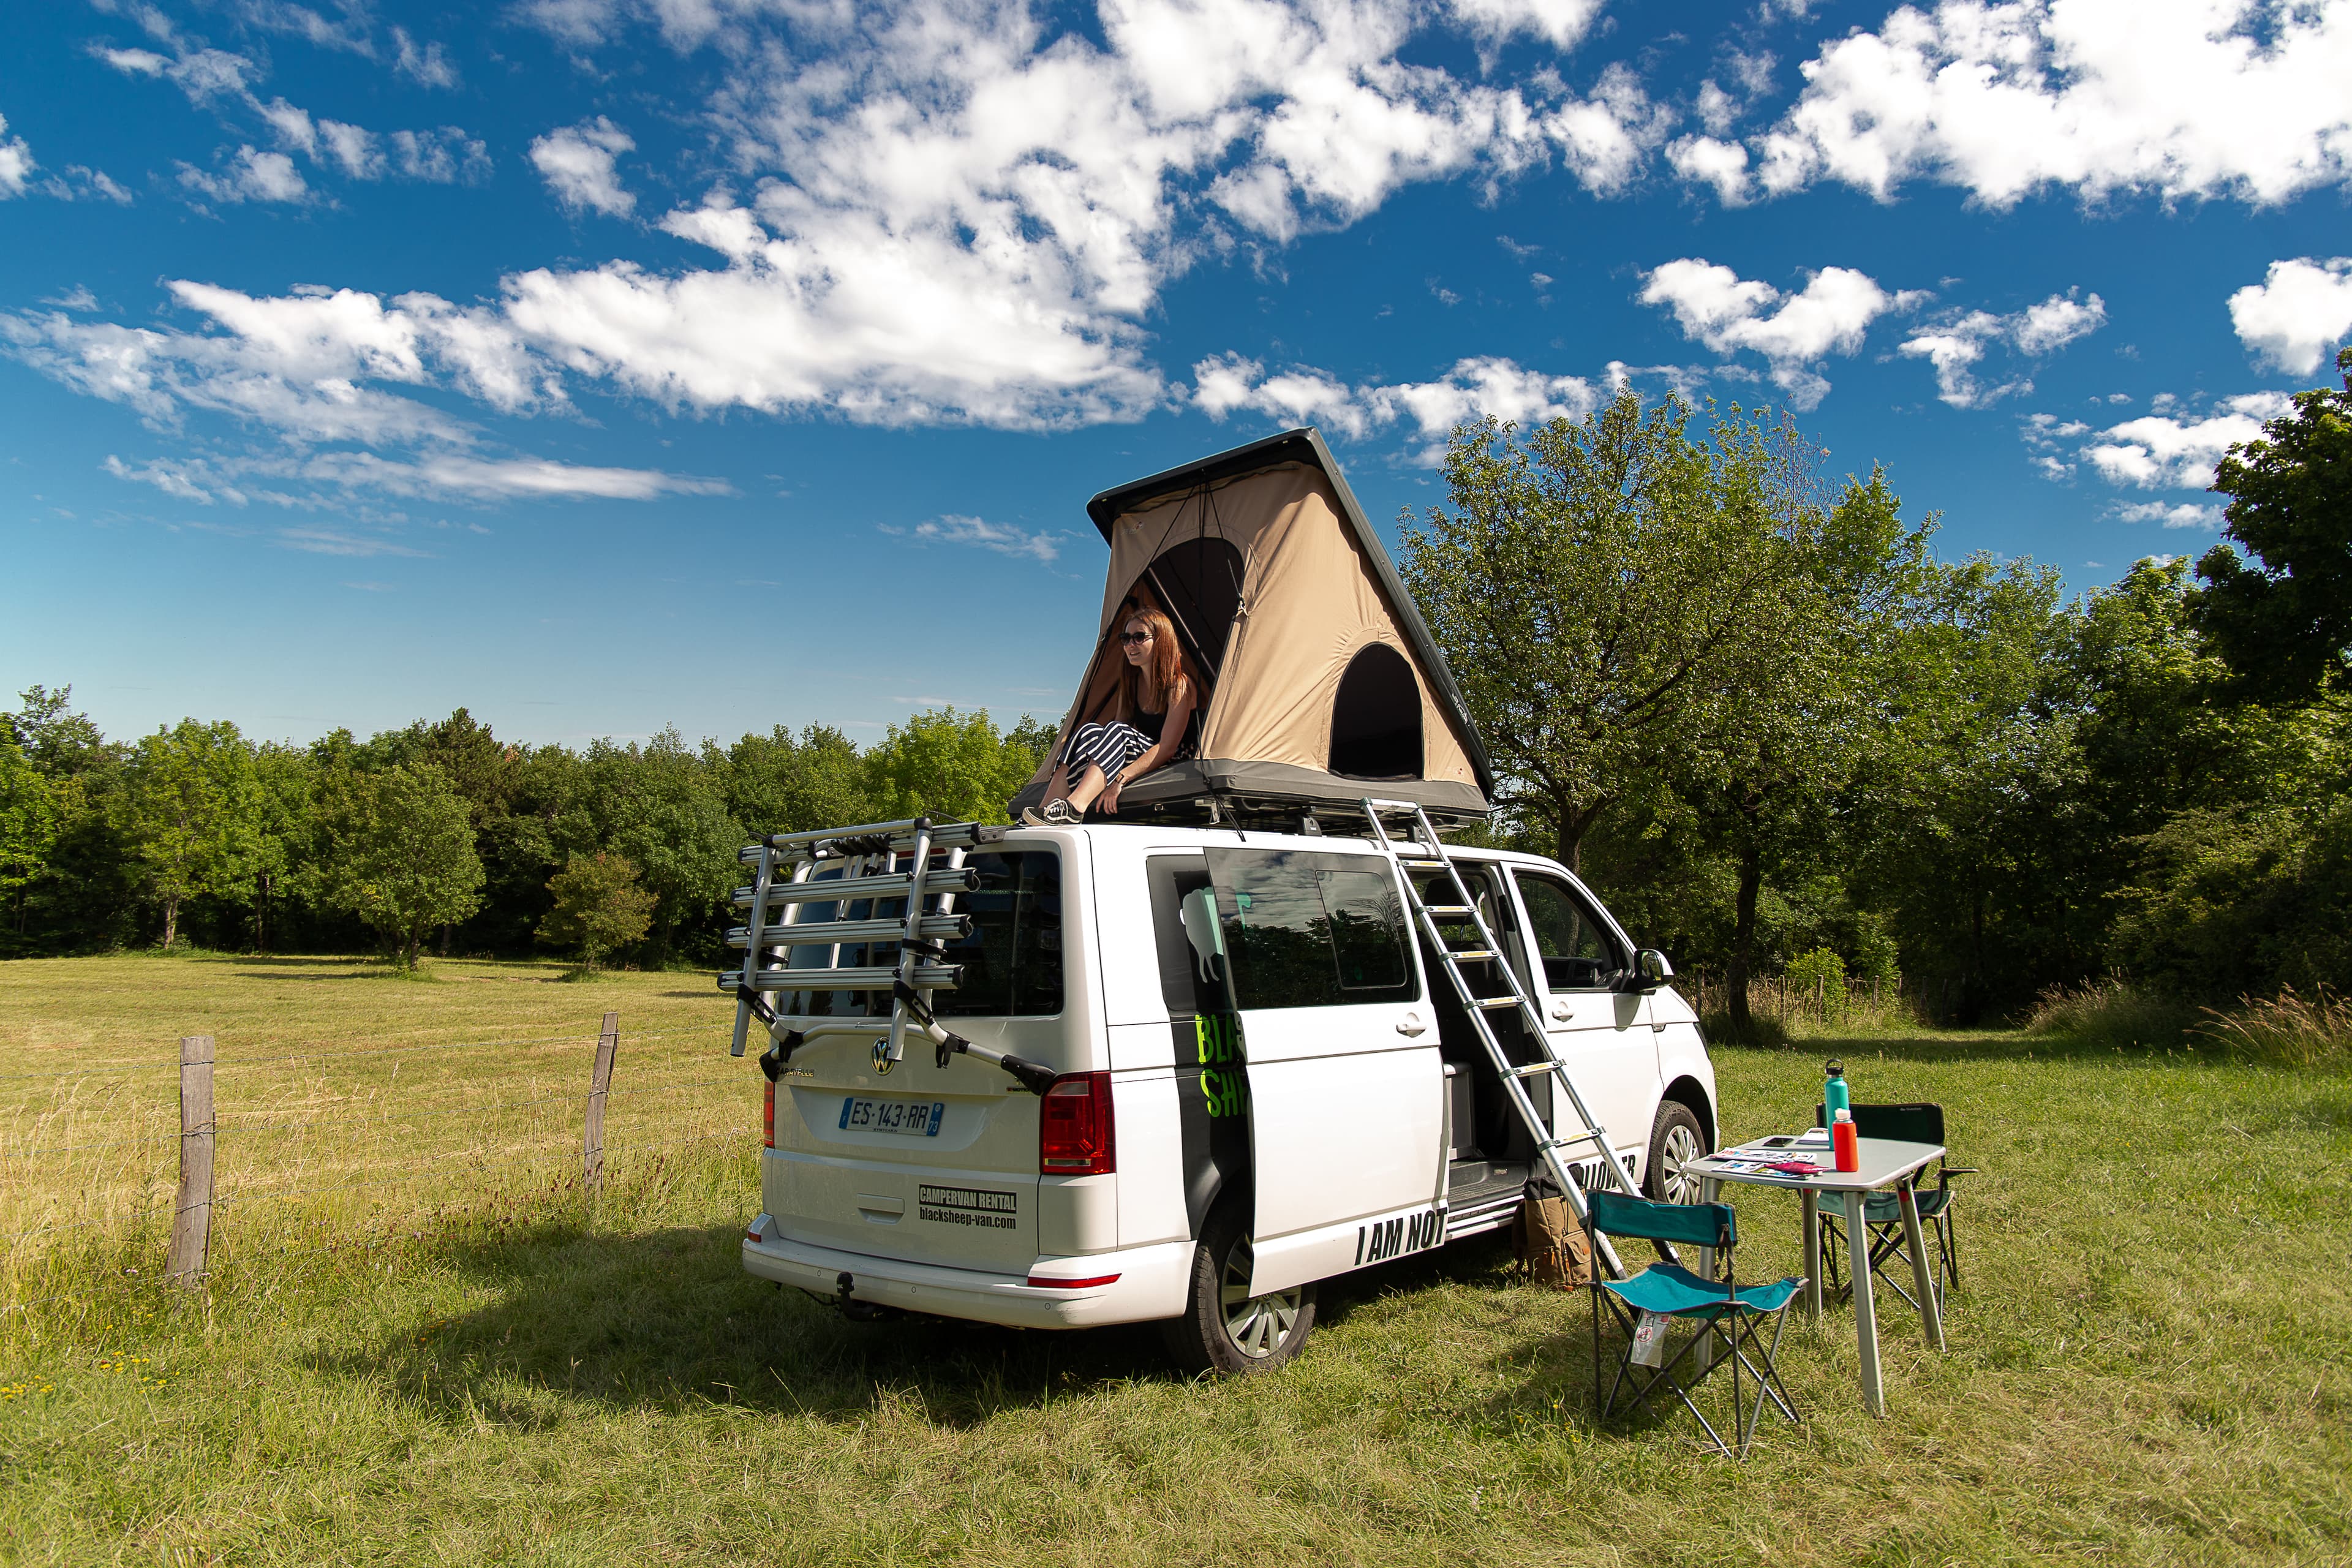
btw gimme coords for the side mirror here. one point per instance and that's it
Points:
(1650, 972)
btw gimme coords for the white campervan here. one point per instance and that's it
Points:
(1236, 1057)
(1255, 1077)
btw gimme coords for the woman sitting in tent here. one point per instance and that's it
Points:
(1155, 710)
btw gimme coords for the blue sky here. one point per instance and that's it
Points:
(602, 364)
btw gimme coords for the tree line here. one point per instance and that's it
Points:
(437, 837)
(1754, 709)
(1764, 719)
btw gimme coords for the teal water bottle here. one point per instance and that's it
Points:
(1835, 1097)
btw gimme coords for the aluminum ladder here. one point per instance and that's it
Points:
(1424, 848)
(879, 861)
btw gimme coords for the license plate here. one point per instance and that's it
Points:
(909, 1118)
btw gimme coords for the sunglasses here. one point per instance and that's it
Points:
(1135, 637)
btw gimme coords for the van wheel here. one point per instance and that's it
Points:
(1675, 1140)
(1224, 1329)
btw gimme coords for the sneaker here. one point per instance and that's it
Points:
(1056, 814)
(1032, 817)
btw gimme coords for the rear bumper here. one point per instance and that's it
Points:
(1153, 1282)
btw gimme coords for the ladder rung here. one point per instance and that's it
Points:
(1571, 1139)
(1471, 954)
(827, 933)
(870, 977)
(1446, 911)
(1493, 1002)
(887, 885)
(1532, 1069)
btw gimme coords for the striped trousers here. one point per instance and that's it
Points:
(1110, 747)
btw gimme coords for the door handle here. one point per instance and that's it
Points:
(1560, 1015)
(1411, 1023)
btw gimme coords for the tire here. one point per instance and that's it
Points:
(1224, 1329)
(1675, 1140)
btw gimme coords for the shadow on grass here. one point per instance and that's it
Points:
(1969, 1045)
(670, 1320)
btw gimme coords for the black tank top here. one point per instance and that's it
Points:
(1150, 724)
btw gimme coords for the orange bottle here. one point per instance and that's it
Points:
(1846, 1142)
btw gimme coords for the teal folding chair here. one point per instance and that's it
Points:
(1882, 1213)
(1719, 1313)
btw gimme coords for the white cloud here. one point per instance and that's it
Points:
(292, 124)
(1954, 346)
(440, 476)
(577, 163)
(1714, 306)
(2162, 451)
(1490, 386)
(251, 176)
(1704, 161)
(2299, 312)
(353, 147)
(948, 214)
(2057, 322)
(2175, 98)
(954, 530)
(16, 163)
(440, 157)
(2187, 514)
(424, 65)
(1559, 23)
(300, 365)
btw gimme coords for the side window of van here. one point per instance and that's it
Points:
(1188, 982)
(1577, 952)
(1308, 930)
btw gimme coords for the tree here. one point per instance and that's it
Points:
(955, 767)
(777, 783)
(1592, 585)
(28, 818)
(398, 853)
(2284, 627)
(190, 807)
(598, 907)
(659, 805)
(1810, 688)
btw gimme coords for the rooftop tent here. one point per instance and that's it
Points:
(1321, 684)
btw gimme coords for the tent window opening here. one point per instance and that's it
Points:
(1199, 583)
(1376, 718)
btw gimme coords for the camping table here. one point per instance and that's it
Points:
(1884, 1162)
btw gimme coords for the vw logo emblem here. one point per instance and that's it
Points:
(882, 1062)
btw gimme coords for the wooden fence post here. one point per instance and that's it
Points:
(600, 1081)
(192, 1219)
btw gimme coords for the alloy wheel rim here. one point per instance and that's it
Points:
(1680, 1147)
(1257, 1325)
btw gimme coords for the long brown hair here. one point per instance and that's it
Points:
(1162, 676)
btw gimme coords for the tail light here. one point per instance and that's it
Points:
(1075, 1134)
(772, 1113)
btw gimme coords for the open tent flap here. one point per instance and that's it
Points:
(1322, 683)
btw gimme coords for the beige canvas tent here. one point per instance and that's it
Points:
(1322, 685)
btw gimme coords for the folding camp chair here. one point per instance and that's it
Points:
(1883, 1213)
(1720, 1314)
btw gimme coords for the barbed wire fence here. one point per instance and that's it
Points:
(197, 1203)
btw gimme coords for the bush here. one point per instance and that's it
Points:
(2110, 1013)
(1819, 975)
(2285, 1030)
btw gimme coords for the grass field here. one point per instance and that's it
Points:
(464, 1361)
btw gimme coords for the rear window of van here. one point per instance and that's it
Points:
(1011, 962)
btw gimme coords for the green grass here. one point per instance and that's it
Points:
(468, 1362)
